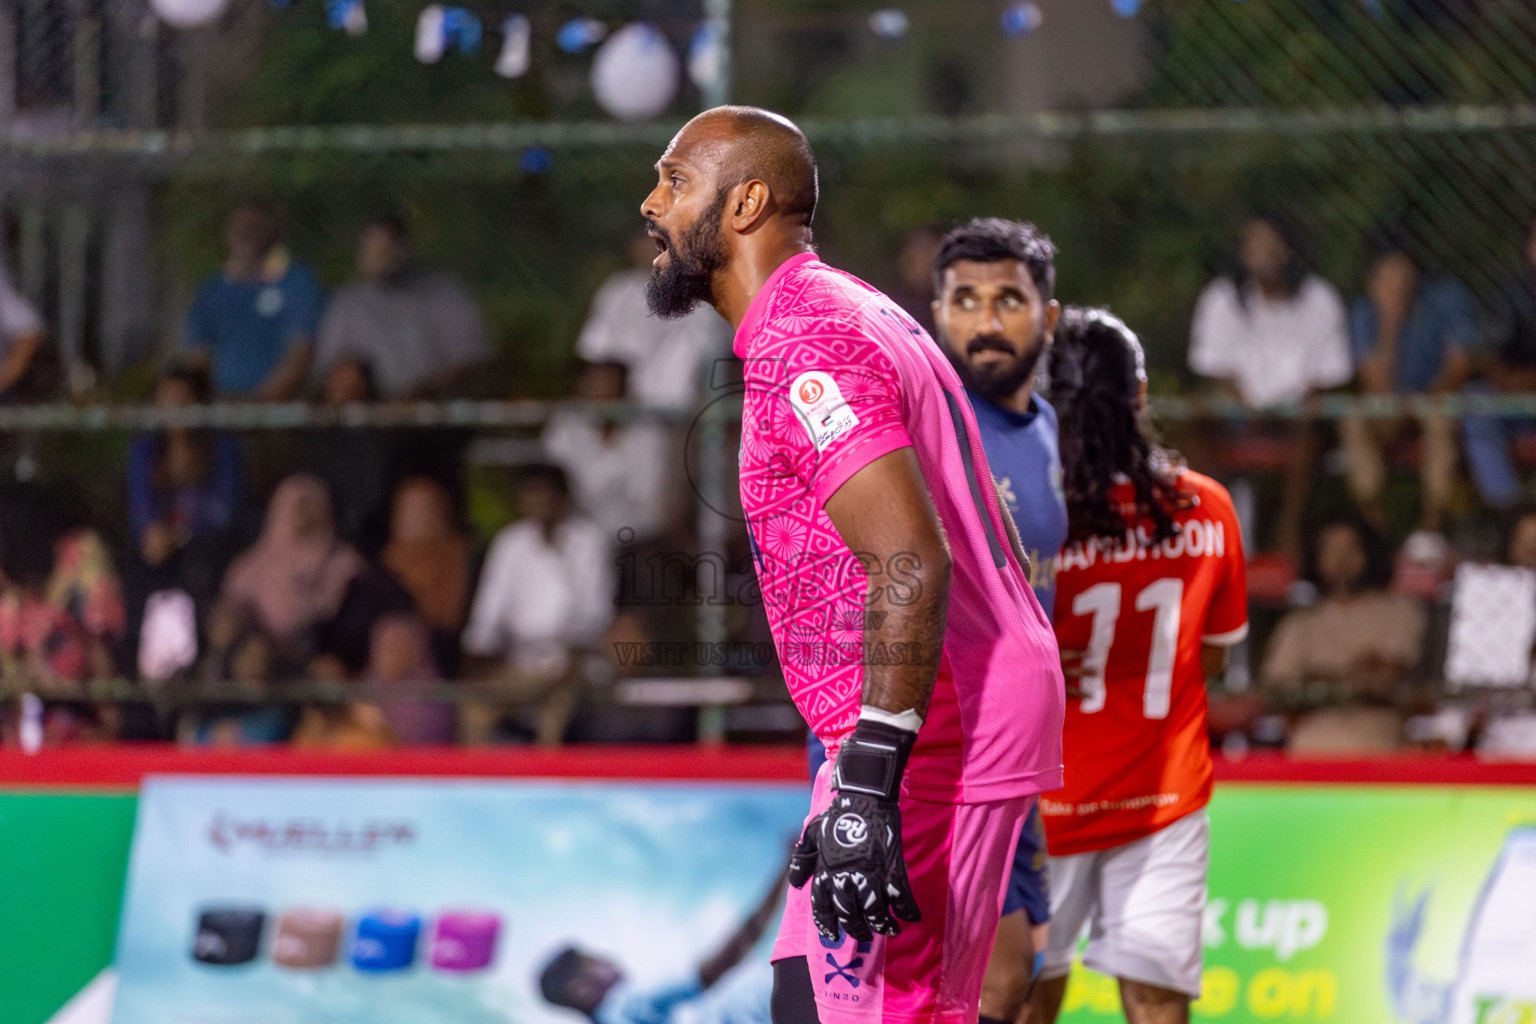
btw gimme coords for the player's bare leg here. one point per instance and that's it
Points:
(1045, 1000)
(1005, 992)
(1148, 1004)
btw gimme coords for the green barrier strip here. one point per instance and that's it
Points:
(63, 860)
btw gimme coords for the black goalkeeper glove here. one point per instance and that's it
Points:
(851, 852)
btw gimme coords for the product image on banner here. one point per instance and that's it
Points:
(307, 938)
(1495, 981)
(228, 936)
(386, 940)
(464, 940)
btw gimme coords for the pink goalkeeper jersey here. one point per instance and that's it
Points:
(837, 376)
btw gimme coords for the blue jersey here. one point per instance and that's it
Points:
(1026, 465)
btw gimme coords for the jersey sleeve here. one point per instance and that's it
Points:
(1226, 620)
(838, 408)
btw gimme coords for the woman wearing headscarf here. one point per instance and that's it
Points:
(429, 556)
(296, 575)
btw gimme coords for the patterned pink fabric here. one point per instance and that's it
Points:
(958, 857)
(837, 376)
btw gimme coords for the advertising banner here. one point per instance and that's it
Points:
(290, 901)
(1363, 905)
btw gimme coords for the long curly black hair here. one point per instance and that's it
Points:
(1097, 373)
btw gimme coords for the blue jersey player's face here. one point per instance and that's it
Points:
(994, 324)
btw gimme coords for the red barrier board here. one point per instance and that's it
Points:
(122, 767)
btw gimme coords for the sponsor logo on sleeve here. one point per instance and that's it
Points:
(823, 411)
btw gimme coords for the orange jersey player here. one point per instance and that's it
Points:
(1150, 595)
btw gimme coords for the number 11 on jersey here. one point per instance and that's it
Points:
(1165, 599)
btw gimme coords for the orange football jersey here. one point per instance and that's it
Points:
(1135, 747)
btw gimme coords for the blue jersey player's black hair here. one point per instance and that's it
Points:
(992, 240)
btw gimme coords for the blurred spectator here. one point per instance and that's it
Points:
(545, 596)
(298, 573)
(61, 608)
(665, 357)
(348, 381)
(1411, 335)
(254, 322)
(356, 463)
(249, 658)
(21, 346)
(184, 491)
(182, 483)
(1511, 342)
(353, 725)
(620, 473)
(1273, 332)
(400, 665)
(420, 332)
(914, 271)
(1520, 538)
(1360, 640)
(429, 555)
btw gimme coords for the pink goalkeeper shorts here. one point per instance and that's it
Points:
(958, 860)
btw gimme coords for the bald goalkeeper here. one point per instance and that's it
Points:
(909, 636)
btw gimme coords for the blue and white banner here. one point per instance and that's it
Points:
(313, 901)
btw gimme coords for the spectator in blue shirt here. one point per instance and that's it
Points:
(1411, 334)
(185, 490)
(253, 324)
(182, 483)
(1510, 369)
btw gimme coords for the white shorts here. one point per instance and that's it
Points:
(1142, 905)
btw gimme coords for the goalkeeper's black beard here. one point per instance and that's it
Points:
(687, 280)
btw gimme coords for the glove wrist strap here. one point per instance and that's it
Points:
(873, 759)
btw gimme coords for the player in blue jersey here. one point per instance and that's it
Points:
(994, 314)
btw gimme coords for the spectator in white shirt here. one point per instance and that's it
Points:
(545, 596)
(419, 332)
(623, 474)
(666, 358)
(1273, 333)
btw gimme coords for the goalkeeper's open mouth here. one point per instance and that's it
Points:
(663, 245)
